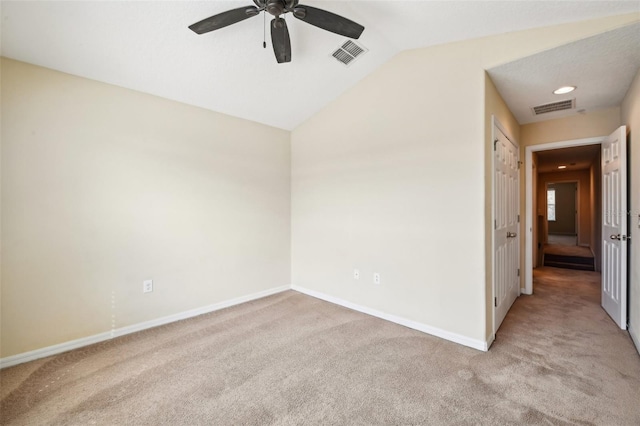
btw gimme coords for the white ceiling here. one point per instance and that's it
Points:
(602, 68)
(146, 46)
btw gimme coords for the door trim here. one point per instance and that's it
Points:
(528, 179)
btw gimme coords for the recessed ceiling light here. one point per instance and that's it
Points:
(562, 167)
(564, 89)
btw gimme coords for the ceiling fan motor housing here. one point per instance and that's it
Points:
(275, 7)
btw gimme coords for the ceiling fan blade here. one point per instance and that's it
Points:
(280, 40)
(328, 21)
(224, 19)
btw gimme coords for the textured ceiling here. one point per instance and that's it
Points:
(602, 67)
(146, 46)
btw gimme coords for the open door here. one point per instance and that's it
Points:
(614, 226)
(506, 223)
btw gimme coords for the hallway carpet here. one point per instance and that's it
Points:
(569, 257)
(292, 359)
(563, 240)
(568, 250)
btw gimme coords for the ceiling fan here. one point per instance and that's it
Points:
(279, 32)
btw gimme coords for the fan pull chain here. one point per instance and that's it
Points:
(264, 30)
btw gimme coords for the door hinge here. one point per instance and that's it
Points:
(518, 218)
(495, 302)
(494, 144)
(495, 224)
(519, 162)
(518, 271)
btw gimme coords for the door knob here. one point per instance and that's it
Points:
(511, 235)
(615, 237)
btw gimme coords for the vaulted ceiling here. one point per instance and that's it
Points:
(146, 46)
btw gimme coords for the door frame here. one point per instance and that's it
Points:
(528, 179)
(576, 216)
(496, 123)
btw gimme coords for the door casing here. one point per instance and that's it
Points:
(528, 223)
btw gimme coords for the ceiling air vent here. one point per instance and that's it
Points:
(349, 51)
(553, 107)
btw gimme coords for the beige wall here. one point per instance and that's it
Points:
(566, 209)
(630, 115)
(584, 180)
(389, 178)
(103, 187)
(588, 125)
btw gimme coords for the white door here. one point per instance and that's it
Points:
(506, 222)
(614, 226)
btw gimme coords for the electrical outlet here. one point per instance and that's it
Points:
(356, 274)
(147, 286)
(376, 278)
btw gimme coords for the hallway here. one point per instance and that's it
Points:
(569, 353)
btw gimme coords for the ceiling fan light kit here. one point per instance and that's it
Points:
(279, 32)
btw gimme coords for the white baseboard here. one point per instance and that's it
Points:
(96, 338)
(85, 341)
(434, 331)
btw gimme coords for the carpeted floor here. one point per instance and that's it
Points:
(568, 257)
(563, 240)
(568, 250)
(291, 359)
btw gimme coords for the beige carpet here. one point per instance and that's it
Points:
(564, 240)
(291, 359)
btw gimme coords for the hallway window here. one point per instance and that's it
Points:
(551, 205)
